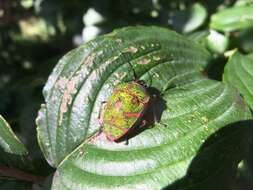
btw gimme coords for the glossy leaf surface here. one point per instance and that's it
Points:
(86, 76)
(239, 73)
(186, 149)
(191, 151)
(231, 19)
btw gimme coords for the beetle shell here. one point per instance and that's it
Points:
(124, 109)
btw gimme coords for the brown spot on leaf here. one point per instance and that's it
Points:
(119, 40)
(240, 101)
(89, 59)
(67, 96)
(61, 83)
(156, 58)
(131, 49)
(144, 61)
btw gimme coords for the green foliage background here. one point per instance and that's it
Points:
(34, 34)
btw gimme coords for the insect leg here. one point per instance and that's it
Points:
(135, 75)
(94, 136)
(143, 123)
(170, 85)
(100, 114)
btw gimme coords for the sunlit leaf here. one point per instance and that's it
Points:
(234, 18)
(239, 73)
(187, 148)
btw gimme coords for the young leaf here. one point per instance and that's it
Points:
(239, 73)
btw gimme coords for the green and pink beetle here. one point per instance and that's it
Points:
(124, 110)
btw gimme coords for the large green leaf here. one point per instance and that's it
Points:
(86, 76)
(231, 19)
(190, 147)
(239, 73)
(8, 140)
(193, 150)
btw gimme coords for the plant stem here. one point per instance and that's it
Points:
(20, 175)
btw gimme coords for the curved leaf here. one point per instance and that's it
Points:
(199, 36)
(180, 154)
(8, 140)
(217, 42)
(190, 19)
(243, 2)
(85, 77)
(239, 73)
(235, 18)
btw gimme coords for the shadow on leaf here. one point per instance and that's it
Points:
(215, 165)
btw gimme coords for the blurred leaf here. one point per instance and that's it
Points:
(245, 41)
(27, 3)
(239, 73)
(35, 29)
(90, 32)
(243, 2)
(217, 42)
(244, 176)
(28, 135)
(234, 18)
(92, 17)
(199, 36)
(190, 19)
(8, 140)
(60, 14)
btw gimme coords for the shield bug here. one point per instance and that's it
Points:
(124, 110)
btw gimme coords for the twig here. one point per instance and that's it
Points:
(20, 175)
